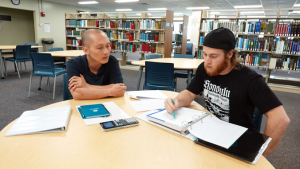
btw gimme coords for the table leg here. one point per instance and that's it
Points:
(189, 77)
(140, 78)
(1, 65)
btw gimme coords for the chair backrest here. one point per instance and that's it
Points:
(42, 62)
(22, 52)
(159, 74)
(189, 48)
(183, 56)
(257, 118)
(32, 44)
(153, 56)
(66, 92)
(55, 49)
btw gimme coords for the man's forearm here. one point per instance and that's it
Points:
(101, 86)
(185, 98)
(90, 93)
(275, 127)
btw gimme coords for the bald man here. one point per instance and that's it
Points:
(96, 74)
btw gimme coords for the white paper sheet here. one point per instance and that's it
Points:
(147, 104)
(115, 114)
(47, 27)
(216, 131)
(142, 116)
(147, 94)
(182, 116)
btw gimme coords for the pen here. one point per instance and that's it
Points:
(173, 110)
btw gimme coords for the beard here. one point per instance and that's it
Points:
(218, 69)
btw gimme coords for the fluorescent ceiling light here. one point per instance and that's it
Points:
(156, 9)
(253, 12)
(214, 12)
(191, 8)
(84, 12)
(141, 14)
(124, 1)
(295, 12)
(297, 5)
(249, 6)
(88, 2)
(123, 9)
(256, 16)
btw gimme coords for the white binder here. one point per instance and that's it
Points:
(41, 121)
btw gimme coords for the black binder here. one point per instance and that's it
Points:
(249, 147)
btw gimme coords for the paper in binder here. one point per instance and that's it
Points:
(200, 124)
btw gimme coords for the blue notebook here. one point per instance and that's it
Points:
(93, 111)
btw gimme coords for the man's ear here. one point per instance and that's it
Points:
(230, 54)
(86, 50)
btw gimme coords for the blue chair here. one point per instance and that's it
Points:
(153, 56)
(22, 54)
(182, 74)
(189, 48)
(59, 62)
(257, 118)
(32, 49)
(43, 65)
(66, 92)
(159, 76)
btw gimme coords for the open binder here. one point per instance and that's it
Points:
(211, 132)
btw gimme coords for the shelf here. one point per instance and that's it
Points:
(70, 36)
(288, 36)
(152, 42)
(241, 18)
(73, 46)
(111, 18)
(255, 51)
(285, 54)
(177, 41)
(255, 34)
(152, 29)
(257, 66)
(133, 52)
(287, 70)
(200, 45)
(115, 50)
(87, 27)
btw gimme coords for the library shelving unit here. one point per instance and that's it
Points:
(184, 34)
(277, 36)
(139, 35)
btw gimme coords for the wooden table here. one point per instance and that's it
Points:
(144, 146)
(66, 53)
(9, 47)
(179, 63)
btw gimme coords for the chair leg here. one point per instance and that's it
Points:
(54, 87)
(25, 65)
(48, 82)
(5, 68)
(29, 85)
(17, 69)
(40, 83)
(21, 67)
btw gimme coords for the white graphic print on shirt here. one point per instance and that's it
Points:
(217, 100)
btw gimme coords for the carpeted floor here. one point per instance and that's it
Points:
(14, 100)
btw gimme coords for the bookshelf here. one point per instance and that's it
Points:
(138, 35)
(277, 37)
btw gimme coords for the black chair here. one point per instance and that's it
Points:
(159, 76)
(59, 62)
(22, 54)
(66, 92)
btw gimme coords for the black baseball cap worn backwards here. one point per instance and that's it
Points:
(221, 38)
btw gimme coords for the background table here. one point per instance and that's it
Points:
(179, 63)
(9, 47)
(66, 53)
(143, 146)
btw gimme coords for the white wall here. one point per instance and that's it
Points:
(194, 27)
(55, 15)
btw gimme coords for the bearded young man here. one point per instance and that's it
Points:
(96, 74)
(232, 91)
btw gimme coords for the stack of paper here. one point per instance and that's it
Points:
(147, 94)
(147, 104)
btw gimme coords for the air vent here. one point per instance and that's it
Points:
(144, 4)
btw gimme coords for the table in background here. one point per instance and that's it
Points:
(9, 47)
(179, 63)
(144, 146)
(66, 53)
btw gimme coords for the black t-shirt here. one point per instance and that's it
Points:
(233, 97)
(108, 73)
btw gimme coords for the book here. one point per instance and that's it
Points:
(93, 111)
(41, 121)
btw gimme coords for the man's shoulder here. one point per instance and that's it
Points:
(112, 59)
(78, 59)
(248, 73)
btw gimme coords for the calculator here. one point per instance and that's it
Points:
(118, 124)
